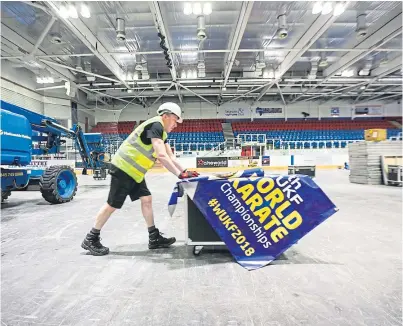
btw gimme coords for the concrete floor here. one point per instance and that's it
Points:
(345, 272)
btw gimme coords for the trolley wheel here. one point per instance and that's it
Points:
(197, 250)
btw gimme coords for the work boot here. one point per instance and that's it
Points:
(93, 244)
(156, 240)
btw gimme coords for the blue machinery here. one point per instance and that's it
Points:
(24, 133)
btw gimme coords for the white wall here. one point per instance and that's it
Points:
(318, 157)
(85, 110)
(393, 109)
(57, 108)
(18, 88)
(243, 110)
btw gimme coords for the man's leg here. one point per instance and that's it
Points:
(119, 189)
(103, 215)
(92, 241)
(147, 210)
(156, 240)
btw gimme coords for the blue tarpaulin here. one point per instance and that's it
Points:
(258, 217)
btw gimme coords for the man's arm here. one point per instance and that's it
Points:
(173, 158)
(161, 151)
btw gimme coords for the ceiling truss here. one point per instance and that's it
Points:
(230, 71)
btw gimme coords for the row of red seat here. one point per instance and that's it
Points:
(197, 129)
(309, 125)
(214, 125)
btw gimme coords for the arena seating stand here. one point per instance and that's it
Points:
(314, 130)
(192, 131)
(209, 131)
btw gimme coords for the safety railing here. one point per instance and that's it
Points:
(221, 147)
(398, 137)
(252, 139)
(312, 144)
(112, 146)
(187, 147)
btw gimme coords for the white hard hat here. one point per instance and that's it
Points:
(170, 107)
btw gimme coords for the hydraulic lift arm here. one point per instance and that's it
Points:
(75, 133)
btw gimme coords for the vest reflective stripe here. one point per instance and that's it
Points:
(133, 156)
(142, 150)
(131, 162)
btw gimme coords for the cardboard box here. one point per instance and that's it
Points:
(375, 134)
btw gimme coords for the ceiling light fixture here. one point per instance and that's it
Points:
(187, 9)
(282, 31)
(70, 11)
(120, 29)
(339, 8)
(323, 62)
(45, 80)
(64, 12)
(327, 8)
(85, 11)
(73, 11)
(348, 73)
(361, 29)
(317, 8)
(207, 9)
(197, 9)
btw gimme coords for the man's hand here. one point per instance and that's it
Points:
(188, 174)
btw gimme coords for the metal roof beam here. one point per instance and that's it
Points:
(80, 71)
(378, 97)
(84, 34)
(392, 29)
(236, 38)
(379, 36)
(312, 34)
(43, 35)
(190, 91)
(27, 47)
(161, 27)
(203, 51)
(395, 64)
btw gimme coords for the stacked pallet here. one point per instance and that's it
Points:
(365, 160)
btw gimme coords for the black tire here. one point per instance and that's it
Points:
(49, 187)
(103, 174)
(99, 174)
(5, 195)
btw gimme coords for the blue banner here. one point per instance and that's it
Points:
(259, 217)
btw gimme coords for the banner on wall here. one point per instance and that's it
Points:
(264, 111)
(265, 160)
(373, 110)
(258, 217)
(335, 112)
(244, 161)
(211, 162)
(235, 112)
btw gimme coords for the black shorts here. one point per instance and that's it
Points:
(123, 185)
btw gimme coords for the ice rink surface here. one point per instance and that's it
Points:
(348, 271)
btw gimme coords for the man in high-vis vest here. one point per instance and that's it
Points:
(134, 158)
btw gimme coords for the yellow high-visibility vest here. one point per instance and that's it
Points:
(133, 156)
